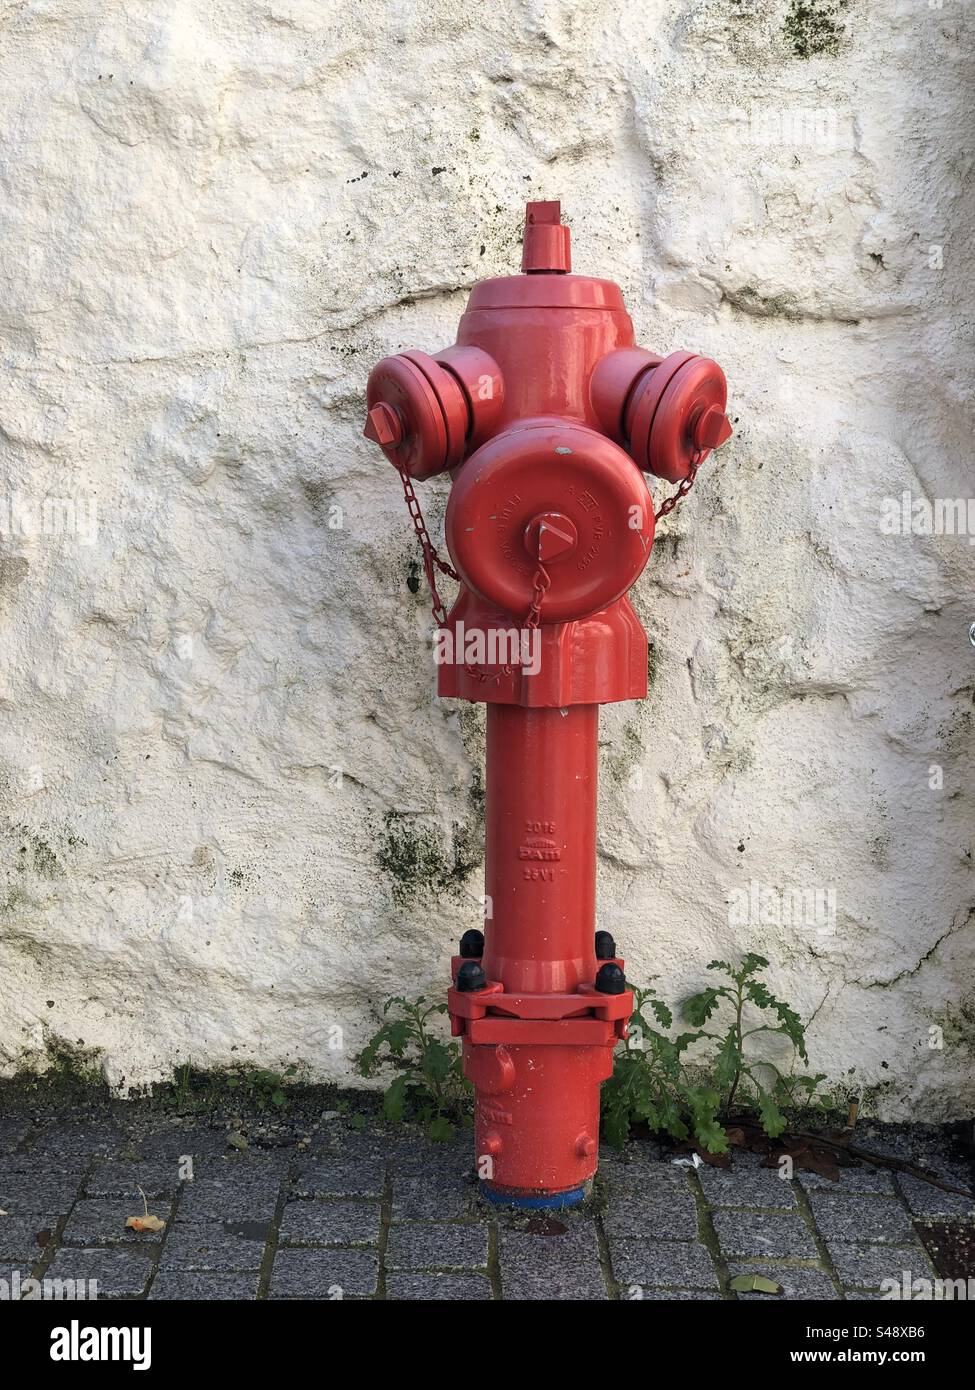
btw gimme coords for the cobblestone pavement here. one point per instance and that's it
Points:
(386, 1215)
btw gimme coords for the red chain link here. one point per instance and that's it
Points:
(430, 557)
(541, 584)
(667, 506)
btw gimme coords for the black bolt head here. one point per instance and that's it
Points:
(610, 979)
(472, 944)
(470, 977)
(605, 946)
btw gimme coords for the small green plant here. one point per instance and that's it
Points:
(181, 1086)
(430, 1087)
(260, 1088)
(193, 1090)
(652, 1083)
(353, 1118)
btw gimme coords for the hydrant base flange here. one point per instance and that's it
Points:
(538, 1201)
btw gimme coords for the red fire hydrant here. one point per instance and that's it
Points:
(544, 413)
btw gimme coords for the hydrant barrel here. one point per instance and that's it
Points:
(540, 866)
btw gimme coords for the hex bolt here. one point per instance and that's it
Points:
(610, 979)
(472, 944)
(605, 946)
(384, 426)
(713, 428)
(470, 977)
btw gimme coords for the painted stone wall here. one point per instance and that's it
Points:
(234, 818)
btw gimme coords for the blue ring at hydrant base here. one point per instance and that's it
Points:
(536, 1201)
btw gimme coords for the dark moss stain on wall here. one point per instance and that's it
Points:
(958, 1025)
(415, 857)
(67, 1071)
(748, 300)
(625, 754)
(466, 852)
(35, 853)
(814, 28)
(475, 794)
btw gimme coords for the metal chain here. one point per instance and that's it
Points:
(430, 557)
(667, 506)
(541, 583)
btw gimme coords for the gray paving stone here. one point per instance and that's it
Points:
(797, 1282)
(401, 1146)
(115, 1179)
(896, 1141)
(436, 1246)
(636, 1151)
(38, 1193)
(744, 1160)
(638, 1295)
(203, 1288)
(311, 1221)
(118, 1272)
(655, 1264)
(421, 1197)
(19, 1239)
(246, 1196)
(521, 1245)
(323, 1274)
(13, 1131)
(101, 1221)
(59, 1140)
(656, 1216)
(867, 1266)
(225, 1246)
(561, 1283)
(170, 1143)
(650, 1179)
(763, 1233)
(861, 1218)
(342, 1178)
(405, 1169)
(852, 1180)
(746, 1187)
(884, 1139)
(437, 1287)
(940, 1152)
(12, 1279)
(926, 1200)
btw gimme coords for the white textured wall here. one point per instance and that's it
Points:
(213, 220)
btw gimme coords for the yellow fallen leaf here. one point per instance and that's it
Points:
(755, 1283)
(141, 1224)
